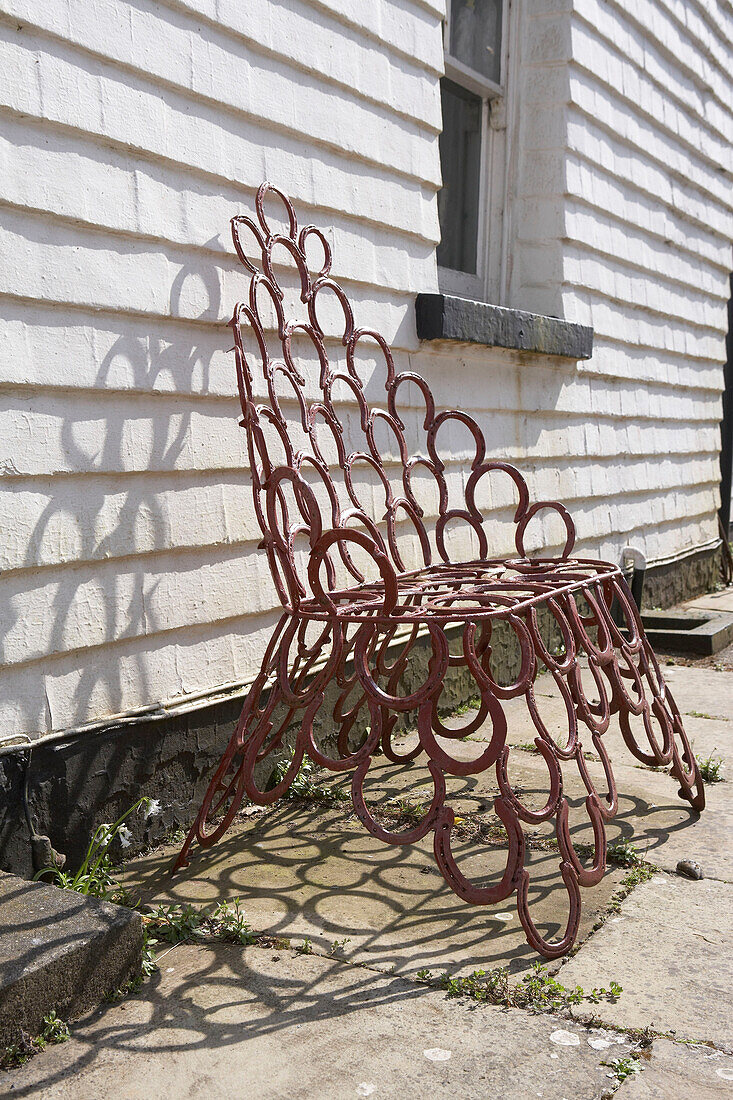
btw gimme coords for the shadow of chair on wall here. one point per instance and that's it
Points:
(144, 370)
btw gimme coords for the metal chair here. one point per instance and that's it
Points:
(357, 628)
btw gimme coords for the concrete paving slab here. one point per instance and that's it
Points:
(663, 828)
(223, 1021)
(670, 950)
(651, 815)
(714, 601)
(708, 690)
(59, 950)
(672, 1070)
(298, 879)
(704, 697)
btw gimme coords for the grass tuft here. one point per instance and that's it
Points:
(623, 1068)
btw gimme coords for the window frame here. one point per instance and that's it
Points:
(486, 284)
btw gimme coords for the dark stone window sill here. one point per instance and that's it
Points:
(446, 317)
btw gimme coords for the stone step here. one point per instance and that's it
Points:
(60, 950)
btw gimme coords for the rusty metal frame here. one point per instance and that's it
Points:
(360, 635)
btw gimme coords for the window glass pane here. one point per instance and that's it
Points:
(460, 161)
(475, 35)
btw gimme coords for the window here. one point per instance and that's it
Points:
(472, 150)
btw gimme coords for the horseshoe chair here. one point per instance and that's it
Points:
(355, 606)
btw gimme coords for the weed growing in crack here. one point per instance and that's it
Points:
(230, 924)
(338, 946)
(622, 1068)
(401, 811)
(24, 1047)
(149, 960)
(173, 923)
(176, 924)
(471, 704)
(642, 872)
(710, 768)
(537, 991)
(304, 948)
(613, 993)
(623, 853)
(306, 784)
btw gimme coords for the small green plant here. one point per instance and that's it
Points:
(710, 768)
(471, 704)
(424, 975)
(95, 874)
(306, 784)
(54, 1029)
(176, 924)
(610, 994)
(16, 1054)
(623, 853)
(636, 875)
(528, 746)
(149, 960)
(402, 811)
(623, 1067)
(228, 923)
(537, 990)
(304, 948)
(337, 947)
(642, 872)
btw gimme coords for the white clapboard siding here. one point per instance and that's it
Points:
(130, 134)
(625, 155)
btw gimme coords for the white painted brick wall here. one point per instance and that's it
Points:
(129, 135)
(644, 206)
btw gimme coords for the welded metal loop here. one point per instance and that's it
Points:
(348, 659)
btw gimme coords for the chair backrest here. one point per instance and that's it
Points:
(331, 467)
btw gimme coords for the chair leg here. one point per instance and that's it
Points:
(287, 694)
(290, 690)
(641, 692)
(255, 738)
(439, 816)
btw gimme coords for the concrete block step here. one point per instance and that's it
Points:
(681, 630)
(60, 950)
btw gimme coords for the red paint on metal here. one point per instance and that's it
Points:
(353, 625)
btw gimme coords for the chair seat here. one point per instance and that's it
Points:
(490, 588)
